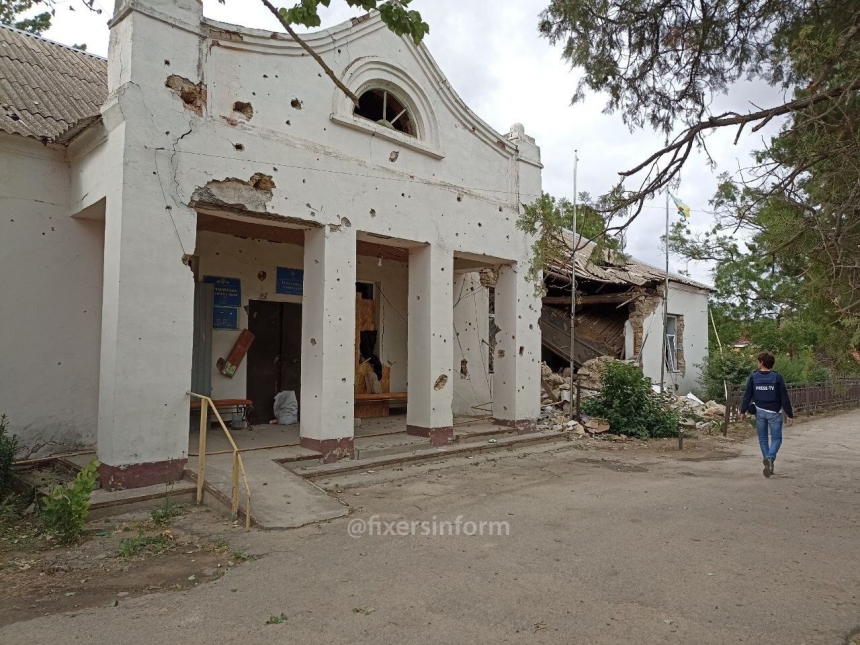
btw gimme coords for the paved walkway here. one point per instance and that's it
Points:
(603, 548)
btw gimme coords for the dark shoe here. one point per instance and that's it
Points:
(772, 467)
(768, 467)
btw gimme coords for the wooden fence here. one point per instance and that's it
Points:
(806, 398)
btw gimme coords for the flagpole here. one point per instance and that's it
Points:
(573, 289)
(665, 301)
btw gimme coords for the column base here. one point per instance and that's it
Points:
(438, 436)
(139, 475)
(331, 449)
(522, 426)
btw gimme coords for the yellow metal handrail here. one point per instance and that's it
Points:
(238, 464)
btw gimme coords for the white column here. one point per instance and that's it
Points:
(328, 342)
(146, 337)
(431, 321)
(516, 367)
(148, 291)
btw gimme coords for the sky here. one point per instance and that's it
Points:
(494, 58)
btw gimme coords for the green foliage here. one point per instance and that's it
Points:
(396, 15)
(550, 221)
(729, 367)
(277, 620)
(787, 240)
(65, 510)
(11, 10)
(801, 368)
(632, 408)
(10, 511)
(162, 515)
(735, 367)
(153, 543)
(8, 450)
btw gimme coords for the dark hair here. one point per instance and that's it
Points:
(766, 359)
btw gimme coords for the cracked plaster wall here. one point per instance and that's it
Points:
(691, 305)
(472, 380)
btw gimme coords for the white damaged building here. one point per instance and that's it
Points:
(204, 211)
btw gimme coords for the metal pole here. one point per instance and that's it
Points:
(573, 411)
(665, 302)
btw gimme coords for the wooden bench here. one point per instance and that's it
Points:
(381, 397)
(228, 405)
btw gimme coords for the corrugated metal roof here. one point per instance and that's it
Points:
(616, 269)
(45, 87)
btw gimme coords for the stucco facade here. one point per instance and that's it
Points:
(224, 151)
(689, 306)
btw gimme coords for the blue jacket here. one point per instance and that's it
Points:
(767, 390)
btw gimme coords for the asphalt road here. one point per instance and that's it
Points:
(602, 548)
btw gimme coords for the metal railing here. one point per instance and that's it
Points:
(806, 398)
(238, 465)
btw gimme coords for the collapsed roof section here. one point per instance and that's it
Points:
(613, 268)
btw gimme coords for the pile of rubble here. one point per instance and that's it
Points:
(696, 413)
(556, 399)
(557, 396)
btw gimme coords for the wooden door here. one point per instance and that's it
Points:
(291, 349)
(264, 358)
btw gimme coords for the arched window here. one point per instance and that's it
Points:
(384, 108)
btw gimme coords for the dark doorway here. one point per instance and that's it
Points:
(275, 357)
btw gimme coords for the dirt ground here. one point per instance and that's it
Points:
(610, 542)
(38, 577)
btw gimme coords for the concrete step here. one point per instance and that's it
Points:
(483, 436)
(312, 472)
(279, 498)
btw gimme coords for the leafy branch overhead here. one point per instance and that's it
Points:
(550, 220)
(394, 13)
(11, 12)
(662, 64)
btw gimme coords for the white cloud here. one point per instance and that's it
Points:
(494, 58)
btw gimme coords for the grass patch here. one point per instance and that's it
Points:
(144, 543)
(162, 515)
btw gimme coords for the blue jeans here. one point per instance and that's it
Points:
(763, 420)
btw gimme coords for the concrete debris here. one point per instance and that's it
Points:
(694, 413)
(596, 425)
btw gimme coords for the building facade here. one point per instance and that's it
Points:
(217, 181)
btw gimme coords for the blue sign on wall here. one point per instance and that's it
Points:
(225, 318)
(290, 281)
(228, 291)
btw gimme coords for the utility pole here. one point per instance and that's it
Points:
(573, 289)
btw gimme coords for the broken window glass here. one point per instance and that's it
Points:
(385, 109)
(672, 343)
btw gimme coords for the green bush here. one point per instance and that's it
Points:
(8, 449)
(735, 368)
(632, 408)
(801, 368)
(731, 367)
(65, 510)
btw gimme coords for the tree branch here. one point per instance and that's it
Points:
(343, 88)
